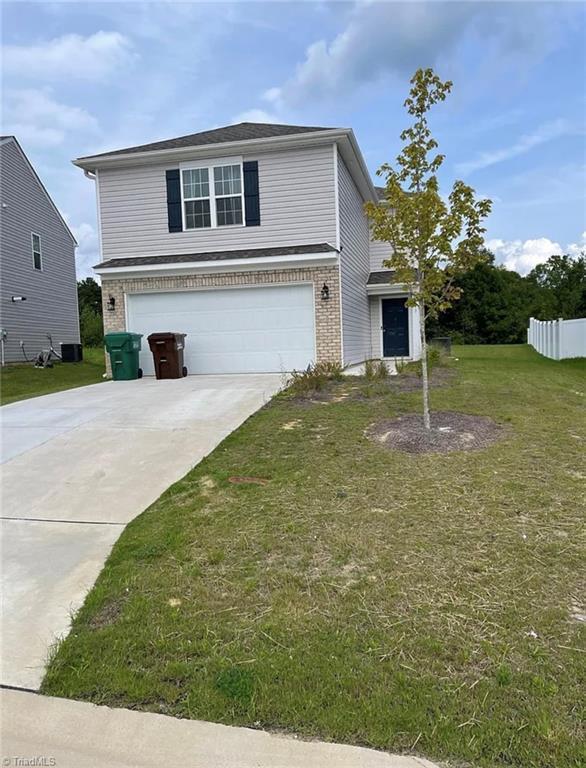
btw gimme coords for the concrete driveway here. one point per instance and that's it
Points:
(77, 466)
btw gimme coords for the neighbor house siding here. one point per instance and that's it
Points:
(297, 206)
(355, 267)
(51, 293)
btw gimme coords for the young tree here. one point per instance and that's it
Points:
(432, 240)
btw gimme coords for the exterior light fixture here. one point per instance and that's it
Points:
(18, 298)
(325, 292)
(111, 304)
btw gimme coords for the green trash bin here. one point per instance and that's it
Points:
(123, 349)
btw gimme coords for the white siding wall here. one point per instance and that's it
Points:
(378, 253)
(355, 268)
(297, 205)
(51, 293)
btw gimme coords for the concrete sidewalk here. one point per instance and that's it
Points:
(70, 734)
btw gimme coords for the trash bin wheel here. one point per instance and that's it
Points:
(184, 371)
(139, 373)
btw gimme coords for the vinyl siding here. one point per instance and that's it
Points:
(379, 251)
(297, 206)
(51, 294)
(355, 267)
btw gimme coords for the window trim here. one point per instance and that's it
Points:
(40, 251)
(210, 165)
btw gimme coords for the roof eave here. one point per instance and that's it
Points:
(328, 136)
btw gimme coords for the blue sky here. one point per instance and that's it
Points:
(80, 78)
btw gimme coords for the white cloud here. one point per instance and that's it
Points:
(380, 38)
(38, 120)
(544, 133)
(575, 249)
(523, 255)
(71, 56)
(88, 249)
(256, 116)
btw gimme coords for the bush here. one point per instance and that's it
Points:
(375, 370)
(435, 357)
(91, 328)
(314, 378)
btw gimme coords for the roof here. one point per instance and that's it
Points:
(381, 278)
(189, 258)
(228, 133)
(6, 140)
(380, 192)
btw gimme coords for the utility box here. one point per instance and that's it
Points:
(443, 343)
(167, 349)
(71, 353)
(124, 349)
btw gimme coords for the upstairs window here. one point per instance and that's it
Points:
(217, 203)
(37, 257)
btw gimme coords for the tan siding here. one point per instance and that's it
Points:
(51, 294)
(355, 267)
(296, 197)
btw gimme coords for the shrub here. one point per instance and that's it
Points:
(314, 378)
(91, 328)
(375, 370)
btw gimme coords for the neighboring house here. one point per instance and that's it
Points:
(252, 239)
(38, 288)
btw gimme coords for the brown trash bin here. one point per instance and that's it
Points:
(167, 349)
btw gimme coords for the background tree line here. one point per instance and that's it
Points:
(496, 303)
(494, 308)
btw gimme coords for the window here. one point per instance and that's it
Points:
(217, 204)
(196, 194)
(37, 258)
(228, 190)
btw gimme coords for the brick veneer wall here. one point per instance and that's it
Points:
(327, 313)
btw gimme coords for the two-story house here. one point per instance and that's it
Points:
(38, 288)
(252, 239)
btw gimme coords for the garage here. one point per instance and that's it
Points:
(263, 329)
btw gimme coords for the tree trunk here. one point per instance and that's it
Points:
(424, 376)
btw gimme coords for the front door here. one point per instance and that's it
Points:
(395, 325)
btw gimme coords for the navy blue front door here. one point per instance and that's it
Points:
(395, 322)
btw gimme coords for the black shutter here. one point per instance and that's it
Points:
(174, 201)
(251, 200)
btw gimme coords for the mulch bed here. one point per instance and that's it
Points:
(450, 431)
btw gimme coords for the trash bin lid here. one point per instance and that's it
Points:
(165, 336)
(119, 339)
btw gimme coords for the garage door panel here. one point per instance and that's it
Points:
(247, 330)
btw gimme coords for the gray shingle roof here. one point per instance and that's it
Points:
(238, 132)
(380, 278)
(380, 192)
(188, 258)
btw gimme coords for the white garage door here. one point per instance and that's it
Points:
(231, 330)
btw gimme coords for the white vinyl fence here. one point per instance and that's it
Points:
(558, 339)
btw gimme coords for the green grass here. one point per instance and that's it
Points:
(424, 604)
(23, 380)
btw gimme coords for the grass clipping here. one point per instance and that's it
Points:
(449, 431)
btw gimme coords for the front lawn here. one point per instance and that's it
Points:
(419, 603)
(21, 380)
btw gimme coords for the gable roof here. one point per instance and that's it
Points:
(238, 132)
(13, 139)
(238, 139)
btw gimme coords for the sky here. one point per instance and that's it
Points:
(81, 78)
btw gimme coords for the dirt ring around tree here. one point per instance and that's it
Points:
(450, 431)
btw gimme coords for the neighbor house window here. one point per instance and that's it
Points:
(212, 196)
(37, 258)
